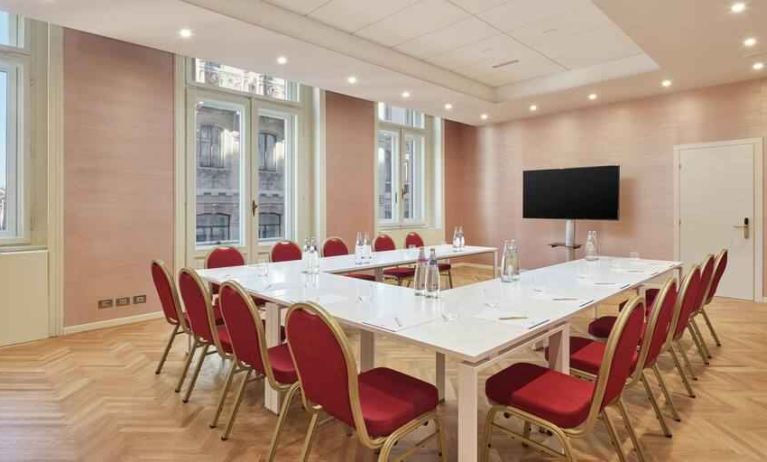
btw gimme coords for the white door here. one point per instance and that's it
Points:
(718, 209)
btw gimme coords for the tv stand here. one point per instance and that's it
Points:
(569, 243)
(570, 249)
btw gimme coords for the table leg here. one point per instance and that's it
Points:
(272, 396)
(468, 403)
(559, 350)
(440, 375)
(379, 274)
(367, 350)
(495, 264)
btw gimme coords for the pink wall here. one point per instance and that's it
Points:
(484, 165)
(118, 173)
(350, 138)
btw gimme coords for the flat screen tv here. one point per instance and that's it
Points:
(587, 193)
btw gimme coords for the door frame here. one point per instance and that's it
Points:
(758, 146)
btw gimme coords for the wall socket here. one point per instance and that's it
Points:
(106, 303)
(138, 299)
(123, 301)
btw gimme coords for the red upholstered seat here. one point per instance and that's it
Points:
(603, 325)
(286, 251)
(282, 363)
(586, 355)
(556, 397)
(390, 399)
(224, 339)
(400, 272)
(363, 276)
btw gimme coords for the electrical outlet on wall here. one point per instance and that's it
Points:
(138, 299)
(123, 301)
(106, 303)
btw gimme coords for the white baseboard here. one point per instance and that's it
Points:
(111, 322)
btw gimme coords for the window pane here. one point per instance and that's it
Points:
(388, 143)
(412, 178)
(4, 205)
(10, 30)
(274, 135)
(400, 115)
(232, 78)
(219, 147)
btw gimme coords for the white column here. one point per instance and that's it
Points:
(367, 350)
(468, 389)
(559, 350)
(440, 375)
(271, 396)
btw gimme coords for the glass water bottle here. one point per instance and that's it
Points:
(591, 248)
(510, 261)
(421, 268)
(432, 276)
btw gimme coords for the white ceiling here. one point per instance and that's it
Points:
(557, 51)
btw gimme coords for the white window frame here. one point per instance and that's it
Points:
(398, 219)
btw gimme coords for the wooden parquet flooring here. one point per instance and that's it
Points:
(94, 397)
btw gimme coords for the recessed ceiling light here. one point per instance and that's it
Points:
(185, 33)
(448, 106)
(758, 66)
(282, 60)
(738, 7)
(406, 94)
(351, 79)
(593, 96)
(666, 83)
(749, 42)
(533, 108)
(483, 116)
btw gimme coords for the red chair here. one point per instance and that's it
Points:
(414, 239)
(603, 325)
(721, 266)
(567, 406)
(223, 257)
(252, 356)
(335, 246)
(286, 251)
(171, 306)
(706, 278)
(586, 354)
(383, 243)
(687, 300)
(205, 331)
(383, 405)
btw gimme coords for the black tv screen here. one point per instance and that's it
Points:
(588, 193)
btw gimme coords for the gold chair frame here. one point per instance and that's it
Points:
(382, 444)
(710, 296)
(673, 346)
(565, 434)
(180, 327)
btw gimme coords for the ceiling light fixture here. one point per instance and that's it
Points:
(448, 106)
(185, 33)
(533, 108)
(406, 94)
(749, 42)
(483, 116)
(758, 66)
(351, 79)
(593, 96)
(666, 83)
(282, 60)
(738, 7)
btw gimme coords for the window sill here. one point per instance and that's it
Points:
(405, 226)
(17, 248)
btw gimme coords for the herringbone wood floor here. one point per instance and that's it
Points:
(94, 396)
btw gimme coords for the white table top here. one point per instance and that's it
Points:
(464, 322)
(346, 263)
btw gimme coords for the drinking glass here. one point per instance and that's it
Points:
(634, 255)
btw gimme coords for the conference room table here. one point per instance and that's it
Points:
(478, 325)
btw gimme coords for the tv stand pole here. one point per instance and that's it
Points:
(569, 242)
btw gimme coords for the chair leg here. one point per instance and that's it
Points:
(710, 327)
(236, 407)
(630, 429)
(686, 361)
(441, 445)
(681, 371)
(224, 392)
(309, 436)
(167, 349)
(701, 340)
(613, 436)
(666, 394)
(187, 363)
(655, 407)
(450, 277)
(196, 372)
(281, 420)
(484, 450)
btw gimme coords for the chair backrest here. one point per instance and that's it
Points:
(413, 239)
(658, 326)
(324, 363)
(618, 359)
(168, 294)
(198, 307)
(246, 331)
(706, 276)
(686, 301)
(721, 265)
(383, 242)
(334, 246)
(286, 251)
(221, 257)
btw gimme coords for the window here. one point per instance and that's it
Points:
(11, 30)
(218, 173)
(12, 71)
(275, 148)
(400, 166)
(232, 78)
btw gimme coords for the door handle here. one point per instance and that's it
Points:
(745, 227)
(253, 207)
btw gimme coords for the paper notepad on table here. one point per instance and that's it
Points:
(395, 323)
(511, 317)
